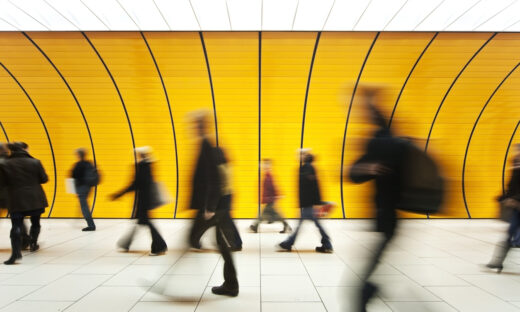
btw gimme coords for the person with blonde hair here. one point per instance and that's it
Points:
(144, 186)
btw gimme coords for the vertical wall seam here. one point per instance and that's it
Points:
(259, 121)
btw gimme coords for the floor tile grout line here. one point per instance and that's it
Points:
(260, 267)
(359, 275)
(312, 281)
(38, 266)
(207, 284)
(164, 274)
(451, 254)
(101, 285)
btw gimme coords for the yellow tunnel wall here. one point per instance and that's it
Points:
(269, 94)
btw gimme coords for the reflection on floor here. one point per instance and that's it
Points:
(434, 265)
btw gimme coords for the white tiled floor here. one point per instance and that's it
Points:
(432, 265)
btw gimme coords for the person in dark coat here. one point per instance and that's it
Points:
(309, 197)
(4, 154)
(269, 197)
(82, 173)
(23, 176)
(143, 185)
(225, 229)
(205, 191)
(512, 195)
(382, 162)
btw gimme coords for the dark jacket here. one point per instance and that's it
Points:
(3, 188)
(513, 187)
(23, 176)
(388, 151)
(309, 188)
(80, 173)
(206, 190)
(142, 185)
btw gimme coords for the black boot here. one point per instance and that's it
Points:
(366, 294)
(26, 241)
(34, 233)
(225, 290)
(16, 245)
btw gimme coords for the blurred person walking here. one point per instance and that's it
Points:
(147, 198)
(269, 197)
(382, 162)
(225, 228)
(309, 197)
(205, 192)
(85, 177)
(510, 201)
(4, 154)
(23, 175)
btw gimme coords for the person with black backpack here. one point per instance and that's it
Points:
(405, 178)
(85, 177)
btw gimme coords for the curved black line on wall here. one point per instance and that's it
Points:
(348, 117)
(79, 107)
(408, 77)
(124, 108)
(44, 128)
(171, 120)
(259, 120)
(3, 130)
(471, 136)
(451, 86)
(210, 84)
(505, 157)
(307, 90)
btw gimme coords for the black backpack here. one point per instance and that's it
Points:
(422, 183)
(92, 177)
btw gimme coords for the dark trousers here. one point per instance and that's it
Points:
(18, 229)
(502, 249)
(158, 243)
(201, 225)
(18, 217)
(224, 243)
(307, 213)
(368, 289)
(83, 192)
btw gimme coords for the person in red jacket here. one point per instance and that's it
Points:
(269, 197)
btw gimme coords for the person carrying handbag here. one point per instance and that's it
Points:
(144, 186)
(510, 201)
